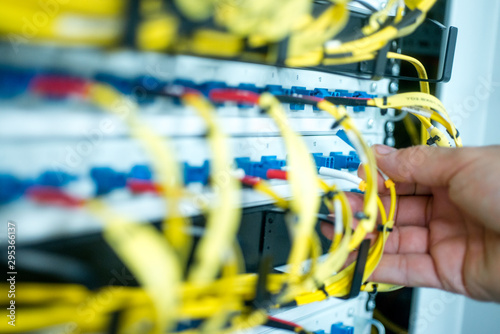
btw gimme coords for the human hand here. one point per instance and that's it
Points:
(447, 226)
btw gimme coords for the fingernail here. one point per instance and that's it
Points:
(383, 149)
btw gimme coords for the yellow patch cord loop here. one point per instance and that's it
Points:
(367, 158)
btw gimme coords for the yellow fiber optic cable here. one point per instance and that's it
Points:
(224, 214)
(166, 170)
(305, 201)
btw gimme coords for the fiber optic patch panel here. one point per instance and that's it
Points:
(121, 164)
(70, 147)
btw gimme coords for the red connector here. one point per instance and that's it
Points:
(250, 181)
(234, 95)
(137, 186)
(276, 174)
(59, 86)
(54, 196)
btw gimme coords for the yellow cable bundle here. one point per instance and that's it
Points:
(126, 238)
(424, 88)
(365, 45)
(369, 164)
(213, 42)
(262, 21)
(157, 33)
(377, 19)
(223, 219)
(69, 23)
(339, 284)
(339, 249)
(166, 169)
(423, 106)
(305, 202)
(306, 44)
(90, 7)
(423, 5)
(159, 274)
(363, 48)
(196, 10)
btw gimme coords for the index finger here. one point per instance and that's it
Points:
(427, 166)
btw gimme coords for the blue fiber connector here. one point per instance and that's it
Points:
(301, 91)
(197, 173)
(14, 82)
(342, 93)
(106, 179)
(11, 188)
(361, 94)
(337, 160)
(276, 89)
(146, 83)
(346, 161)
(321, 93)
(140, 172)
(250, 87)
(324, 161)
(259, 168)
(353, 161)
(342, 135)
(340, 328)
(123, 85)
(206, 87)
(54, 179)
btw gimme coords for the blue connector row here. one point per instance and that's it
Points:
(106, 179)
(11, 187)
(15, 81)
(259, 168)
(337, 160)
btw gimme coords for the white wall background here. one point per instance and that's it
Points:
(473, 99)
(472, 94)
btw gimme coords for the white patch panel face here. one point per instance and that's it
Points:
(73, 136)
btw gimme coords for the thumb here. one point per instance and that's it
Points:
(428, 166)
